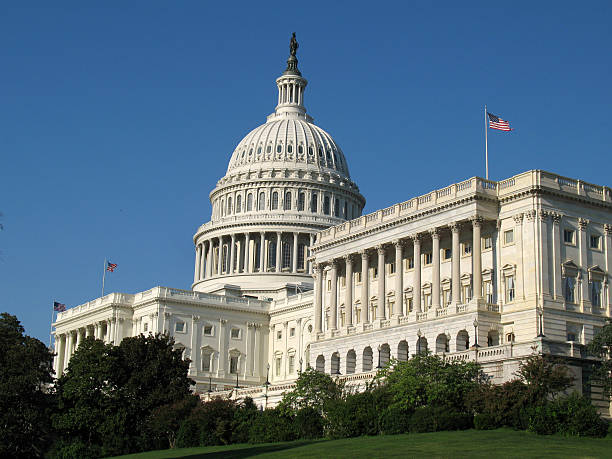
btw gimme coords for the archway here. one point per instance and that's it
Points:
(385, 355)
(351, 362)
(320, 364)
(367, 359)
(402, 351)
(335, 364)
(463, 340)
(442, 343)
(421, 345)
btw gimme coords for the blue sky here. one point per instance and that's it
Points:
(117, 120)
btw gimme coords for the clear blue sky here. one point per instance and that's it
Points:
(117, 120)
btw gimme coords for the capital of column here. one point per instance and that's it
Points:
(380, 249)
(477, 220)
(608, 229)
(518, 218)
(455, 227)
(544, 215)
(318, 268)
(583, 223)
(364, 254)
(398, 243)
(195, 318)
(434, 233)
(416, 238)
(348, 258)
(531, 215)
(556, 218)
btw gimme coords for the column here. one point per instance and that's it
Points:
(209, 259)
(545, 279)
(68, 349)
(111, 334)
(365, 284)
(435, 273)
(456, 265)
(476, 259)
(294, 254)
(416, 287)
(348, 294)
(318, 296)
(279, 248)
(333, 310)
(262, 252)
(232, 252)
(585, 301)
(220, 260)
(88, 331)
(556, 262)
(398, 307)
(382, 307)
(247, 255)
(78, 338)
(196, 272)
(60, 343)
(608, 254)
(195, 353)
(309, 253)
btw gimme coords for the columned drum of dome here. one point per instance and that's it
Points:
(286, 180)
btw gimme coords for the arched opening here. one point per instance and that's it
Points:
(249, 202)
(287, 203)
(367, 359)
(351, 362)
(402, 351)
(442, 343)
(421, 345)
(275, 200)
(261, 204)
(385, 355)
(463, 340)
(493, 338)
(238, 204)
(320, 364)
(335, 364)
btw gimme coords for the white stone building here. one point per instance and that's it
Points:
(289, 274)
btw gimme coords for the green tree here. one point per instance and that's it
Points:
(25, 401)
(313, 389)
(545, 377)
(601, 346)
(165, 421)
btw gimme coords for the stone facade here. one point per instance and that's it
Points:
(288, 274)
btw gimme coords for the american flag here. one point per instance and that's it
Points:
(59, 307)
(495, 122)
(111, 266)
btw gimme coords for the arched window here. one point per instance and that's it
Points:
(238, 204)
(326, 205)
(310, 151)
(259, 150)
(345, 213)
(275, 200)
(222, 207)
(289, 148)
(261, 205)
(336, 207)
(301, 201)
(313, 203)
(249, 205)
(286, 255)
(300, 255)
(279, 148)
(300, 149)
(268, 149)
(229, 205)
(272, 255)
(287, 204)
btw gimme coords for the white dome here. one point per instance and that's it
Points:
(288, 142)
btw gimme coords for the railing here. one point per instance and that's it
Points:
(462, 308)
(421, 316)
(385, 323)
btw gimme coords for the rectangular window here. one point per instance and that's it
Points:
(409, 305)
(301, 258)
(279, 334)
(570, 289)
(488, 289)
(291, 364)
(487, 242)
(569, 236)
(235, 333)
(596, 293)
(595, 242)
(208, 330)
(234, 364)
(179, 327)
(373, 312)
(374, 272)
(447, 254)
(446, 297)
(343, 281)
(146, 326)
(467, 248)
(278, 366)
(292, 331)
(342, 318)
(206, 361)
(313, 203)
(510, 289)
(358, 316)
(409, 263)
(427, 258)
(467, 293)
(358, 277)
(509, 237)
(329, 285)
(391, 268)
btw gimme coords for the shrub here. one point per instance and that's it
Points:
(504, 405)
(356, 415)
(75, 449)
(394, 420)
(437, 418)
(271, 426)
(485, 421)
(453, 420)
(309, 424)
(208, 424)
(244, 416)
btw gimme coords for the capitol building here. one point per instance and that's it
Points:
(289, 274)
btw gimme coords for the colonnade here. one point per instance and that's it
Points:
(252, 252)
(399, 307)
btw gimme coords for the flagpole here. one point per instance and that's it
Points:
(103, 276)
(486, 145)
(52, 317)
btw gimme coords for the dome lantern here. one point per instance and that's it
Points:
(291, 87)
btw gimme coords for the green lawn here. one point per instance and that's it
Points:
(470, 443)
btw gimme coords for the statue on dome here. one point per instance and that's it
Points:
(293, 45)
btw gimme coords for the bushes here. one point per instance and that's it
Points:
(355, 415)
(271, 426)
(485, 421)
(434, 419)
(309, 424)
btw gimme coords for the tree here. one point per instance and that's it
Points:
(25, 401)
(544, 376)
(601, 346)
(165, 421)
(313, 389)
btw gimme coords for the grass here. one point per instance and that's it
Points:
(469, 443)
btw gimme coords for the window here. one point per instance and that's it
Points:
(342, 318)
(292, 331)
(301, 252)
(487, 242)
(342, 281)
(291, 364)
(249, 202)
(279, 148)
(509, 237)
(358, 277)
(229, 205)
(268, 148)
(146, 326)
(326, 205)
(374, 272)
(595, 242)
(345, 210)
(206, 360)
(427, 300)
(301, 201)
(467, 248)
(238, 204)
(235, 333)
(278, 365)
(287, 203)
(329, 285)
(313, 202)
(467, 293)
(225, 261)
(446, 297)
(272, 254)
(336, 208)
(279, 334)
(289, 148)
(510, 289)
(488, 290)
(373, 318)
(447, 254)
(427, 258)
(596, 293)
(208, 330)
(569, 236)
(570, 289)
(259, 150)
(234, 364)
(286, 255)
(358, 315)
(275, 200)
(300, 149)
(261, 205)
(310, 151)
(391, 268)
(179, 327)
(409, 263)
